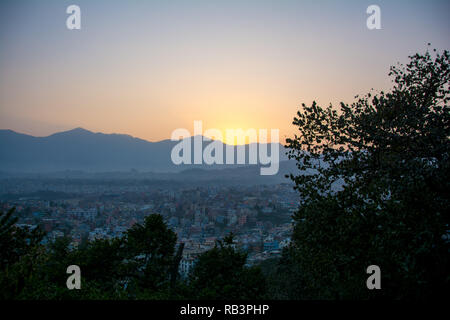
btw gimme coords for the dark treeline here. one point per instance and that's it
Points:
(143, 264)
(388, 152)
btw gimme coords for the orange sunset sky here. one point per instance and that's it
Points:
(145, 68)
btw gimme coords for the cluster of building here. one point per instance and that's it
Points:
(260, 217)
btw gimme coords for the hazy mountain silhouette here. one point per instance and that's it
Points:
(80, 149)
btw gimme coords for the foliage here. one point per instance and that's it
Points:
(19, 252)
(376, 188)
(149, 251)
(220, 273)
(141, 265)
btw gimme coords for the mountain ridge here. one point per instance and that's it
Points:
(81, 149)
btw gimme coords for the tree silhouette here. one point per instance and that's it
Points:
(220, 273)
(376, 187)
(20, 250)
(149, 251)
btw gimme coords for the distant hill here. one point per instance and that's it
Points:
(83, 150)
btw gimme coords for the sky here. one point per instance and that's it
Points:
(146, 68)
